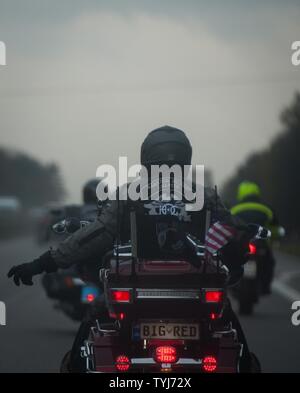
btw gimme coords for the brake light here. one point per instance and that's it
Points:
(120, 296)
(122, 363)
(252, 249)
(166, 354)
(209, 364)
(213, 296)
(90, 297)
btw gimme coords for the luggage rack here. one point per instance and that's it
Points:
(124, 252)
(141, 236)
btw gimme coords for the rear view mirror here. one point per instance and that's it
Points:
(69, 226)
(60, 227)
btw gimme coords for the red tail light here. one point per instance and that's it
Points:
(209, 364)
(213, 296)
(120, 296)
(252, 249)
(122, 363)
(166, 354)
(90, 297)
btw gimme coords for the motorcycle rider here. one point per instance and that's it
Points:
(91, 205)
(251, 209)
(165, 145)
(86, 212)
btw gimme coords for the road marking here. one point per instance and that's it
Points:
(280, 286)
(286, 291)
(2, 314)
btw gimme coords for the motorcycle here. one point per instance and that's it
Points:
(250, 287)
(71, 288)
(166, 315)
(247, 291)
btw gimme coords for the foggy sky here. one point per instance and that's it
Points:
(86, 80)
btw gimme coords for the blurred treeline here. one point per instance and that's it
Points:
(277, 171)
(33, 183)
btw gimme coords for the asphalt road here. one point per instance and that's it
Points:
(37, 336)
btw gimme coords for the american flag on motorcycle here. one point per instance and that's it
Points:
(218, 235)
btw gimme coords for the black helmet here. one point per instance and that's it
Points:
(166, 145)
(89, 191)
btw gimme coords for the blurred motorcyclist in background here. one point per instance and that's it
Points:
(64, 286)
(165, 145)
(91, 205)
(88, 211)
(251, 209)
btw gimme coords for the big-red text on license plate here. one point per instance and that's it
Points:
(184, 331)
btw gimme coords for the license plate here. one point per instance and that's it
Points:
(250, 269)
(170, 331)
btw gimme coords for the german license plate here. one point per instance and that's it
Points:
(170, 331)
(250, 269)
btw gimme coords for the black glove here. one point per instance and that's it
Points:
(26, 271)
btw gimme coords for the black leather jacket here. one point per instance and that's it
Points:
(93, 241)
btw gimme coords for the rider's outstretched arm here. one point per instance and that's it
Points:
(91, 241)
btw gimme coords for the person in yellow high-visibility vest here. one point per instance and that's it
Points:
(251, 209)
